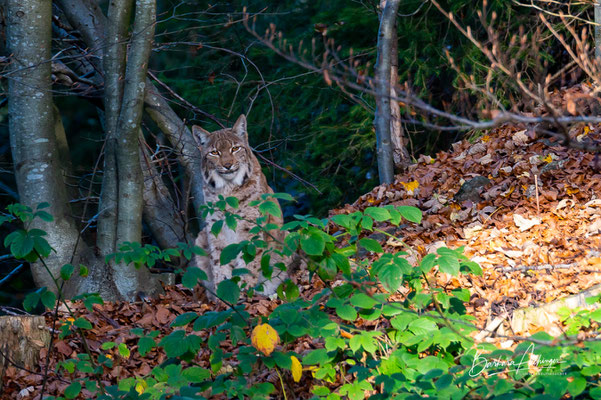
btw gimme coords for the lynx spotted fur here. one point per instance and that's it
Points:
(229, 168)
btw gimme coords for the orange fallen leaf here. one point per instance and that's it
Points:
(345, 334)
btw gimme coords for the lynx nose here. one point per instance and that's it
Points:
(227, 165)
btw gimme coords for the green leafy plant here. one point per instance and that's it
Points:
(380, 327)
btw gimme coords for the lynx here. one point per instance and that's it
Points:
(229, 168)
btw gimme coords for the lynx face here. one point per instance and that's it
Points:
(225, 155)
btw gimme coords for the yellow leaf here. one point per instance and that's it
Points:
(485, 138)
(586, 130)
(571, 190)
(297, 369)
(548, 159)
(264, 338)
(141, 386)
(410, 186)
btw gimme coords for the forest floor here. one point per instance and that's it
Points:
(531, 219)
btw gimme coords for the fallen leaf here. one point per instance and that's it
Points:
(264, 338)
(524, 223)
(296, 368)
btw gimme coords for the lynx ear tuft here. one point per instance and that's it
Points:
(239, 127)
(200, 135)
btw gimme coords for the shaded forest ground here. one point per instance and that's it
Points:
(532, 248)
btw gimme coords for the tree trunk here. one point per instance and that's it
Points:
(400, 154)
(89, 20)
(165, 222)
(597, 7)
(21, 339)
(125, 84)
(383, 72)
(33, 139)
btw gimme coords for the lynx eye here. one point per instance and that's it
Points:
(214, 153)
(235, 149)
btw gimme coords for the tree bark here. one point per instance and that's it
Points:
(160, 213)
(86, 16)
(21, 339)
(33, 138)
(122, 190)
(180, 138)
(397, 136)
(597, 7)
(383, 71)
(114, 71)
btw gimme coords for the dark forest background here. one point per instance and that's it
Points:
(315, 141)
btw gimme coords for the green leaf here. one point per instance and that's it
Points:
(83, 271)
(196, 374)
(44, 216)
(145, 344)
(320, 390)
(342, 262)
(11, 237)
(48, 299)
(367, 222)
(43, 204)
(31, 301)
(230, 252)
(577, 386)
(184, 319)
(216, 228)
(231, 222)
(228, 291)
(82, 323)
(422, 326)
(232, 202)
(346, 312)
(270, 207)
(67, 271)
(288, 290)
(427, 262)
(371, 245)
(192, 276)
(22, 247)
(210, 319)
(365, 339)
(72, 391)
(343, 220)
(314, 357)
(356, 390)
(377, 213)
(313, 244)
(362, 300)
(123, 350)
(410, 213)
(449, 264)
(174, 344)
(391, 276)
(282, 196)
(444, 381)
(108, 345)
